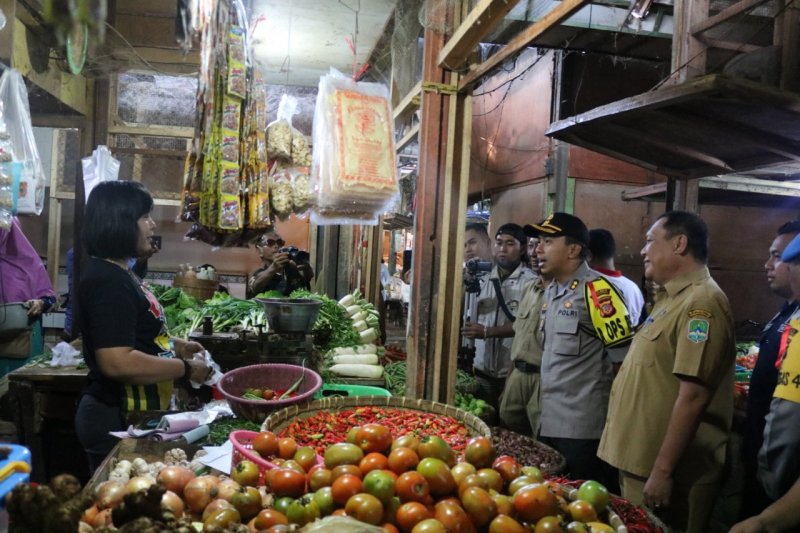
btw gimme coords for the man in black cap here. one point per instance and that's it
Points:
(497, 304)
(581, 316)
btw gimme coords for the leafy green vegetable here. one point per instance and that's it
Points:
(270, 294)
(333, 327)
(221, 428)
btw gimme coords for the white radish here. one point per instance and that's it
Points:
(358, 359)
(347, 300)
(361, 315)
(368, 335)
(358, 370)
(360, 349)
(359, 326)
(352, 310)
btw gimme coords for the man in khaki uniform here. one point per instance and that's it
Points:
(520, 405)
(672, 402)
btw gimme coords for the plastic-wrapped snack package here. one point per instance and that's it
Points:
(279, 132)
(237, 72)
(301, 155)
(354, 163)
(302, 193)
(229, 200)
(280, 191)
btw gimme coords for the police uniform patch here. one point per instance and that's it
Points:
(699, 312)
(698, 330)
(568, 304)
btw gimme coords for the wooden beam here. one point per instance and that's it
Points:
(724, 15)
(688, 53)
(120, 126)
(751, 185)
(9, 8)
(641, 193)
(152, 152)
(70, 195)
(684, 150)
(407, 138)
(554, 17)
(409, 102)
(483, 18)
(728, 45)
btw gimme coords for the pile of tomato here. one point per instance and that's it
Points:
(415, 485)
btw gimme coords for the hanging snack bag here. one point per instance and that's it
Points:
(281, 190)
(354, 161)
(237, 71)
(279, 132)
(301, 155)
(302, 192)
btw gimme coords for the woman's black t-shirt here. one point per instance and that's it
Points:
(115, 310)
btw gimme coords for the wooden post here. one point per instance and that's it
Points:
(439, 226)
(9, 8)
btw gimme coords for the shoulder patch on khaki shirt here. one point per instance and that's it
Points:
(698, 330)
(699, 312)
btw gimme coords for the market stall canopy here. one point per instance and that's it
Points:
(708, 126)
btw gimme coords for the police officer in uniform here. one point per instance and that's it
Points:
(498, 300)
(779, 456)
(671, 405)
(576, 370)
(520, 405)
(765, 374)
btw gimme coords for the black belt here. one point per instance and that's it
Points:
(480, 373)
(527, 368)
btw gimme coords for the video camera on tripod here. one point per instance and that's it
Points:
(474, 271)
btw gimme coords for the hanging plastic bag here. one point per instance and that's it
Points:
(279, 132)
(354, 168)
(99, 167)
(17, 115)
(281, 190)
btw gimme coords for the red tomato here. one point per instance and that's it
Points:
(534, 502)
(505, 524)
(245, 473)
(306, 456)
(508, 470)
(402, 459)
(286, 448)
(453, 517)
(374, 438)
(267, 518)
(479, 505)
(492, 478)
(479, 452)
(437, 474)
(345, 487)
(341, 470)
(412, 487)
(410, 514)
(287, 482)
(373, 461)
(435, 446)
(365, 507)
(247, 501)
(430, 525)
(391, 528)
(409, 440)
(320, 477)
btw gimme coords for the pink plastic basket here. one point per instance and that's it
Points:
(275, 376)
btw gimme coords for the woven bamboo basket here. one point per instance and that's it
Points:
(202, 289)
(280, 419)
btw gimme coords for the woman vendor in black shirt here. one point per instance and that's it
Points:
(280, 271)
(132, 360)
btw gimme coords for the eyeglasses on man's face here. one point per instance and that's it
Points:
(272, 242)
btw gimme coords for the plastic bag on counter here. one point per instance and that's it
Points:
(17, 115)
(354, 170)
(280, 132)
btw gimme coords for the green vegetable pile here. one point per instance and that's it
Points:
(184, 313)
(221, 428)
(333, 328)
(470, 403)
(395, 376)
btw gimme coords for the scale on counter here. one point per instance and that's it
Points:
(287, 340)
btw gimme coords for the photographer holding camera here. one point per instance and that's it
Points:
(284, 270)
(497, 302)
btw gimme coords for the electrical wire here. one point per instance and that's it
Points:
(143, 60)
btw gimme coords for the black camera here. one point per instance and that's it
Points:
(292, 251)
(475, 266)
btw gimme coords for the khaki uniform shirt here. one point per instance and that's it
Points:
(689, 333)
(493, 355)
(528, 340)
(576, 369)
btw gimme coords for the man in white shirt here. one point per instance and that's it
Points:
(602, 249)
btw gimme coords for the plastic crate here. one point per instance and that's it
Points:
(331, 389)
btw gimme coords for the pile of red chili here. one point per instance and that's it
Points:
(329, 427)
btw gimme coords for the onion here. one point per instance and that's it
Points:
(109, 494)
(102, 519)
(200, 491)
(227, 488)
(215, 506)
(89, 514)
(175, 478)
(138, 483)
(172, 503)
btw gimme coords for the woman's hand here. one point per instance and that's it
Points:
(200, 371)
(35, 307)
(187, 349)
